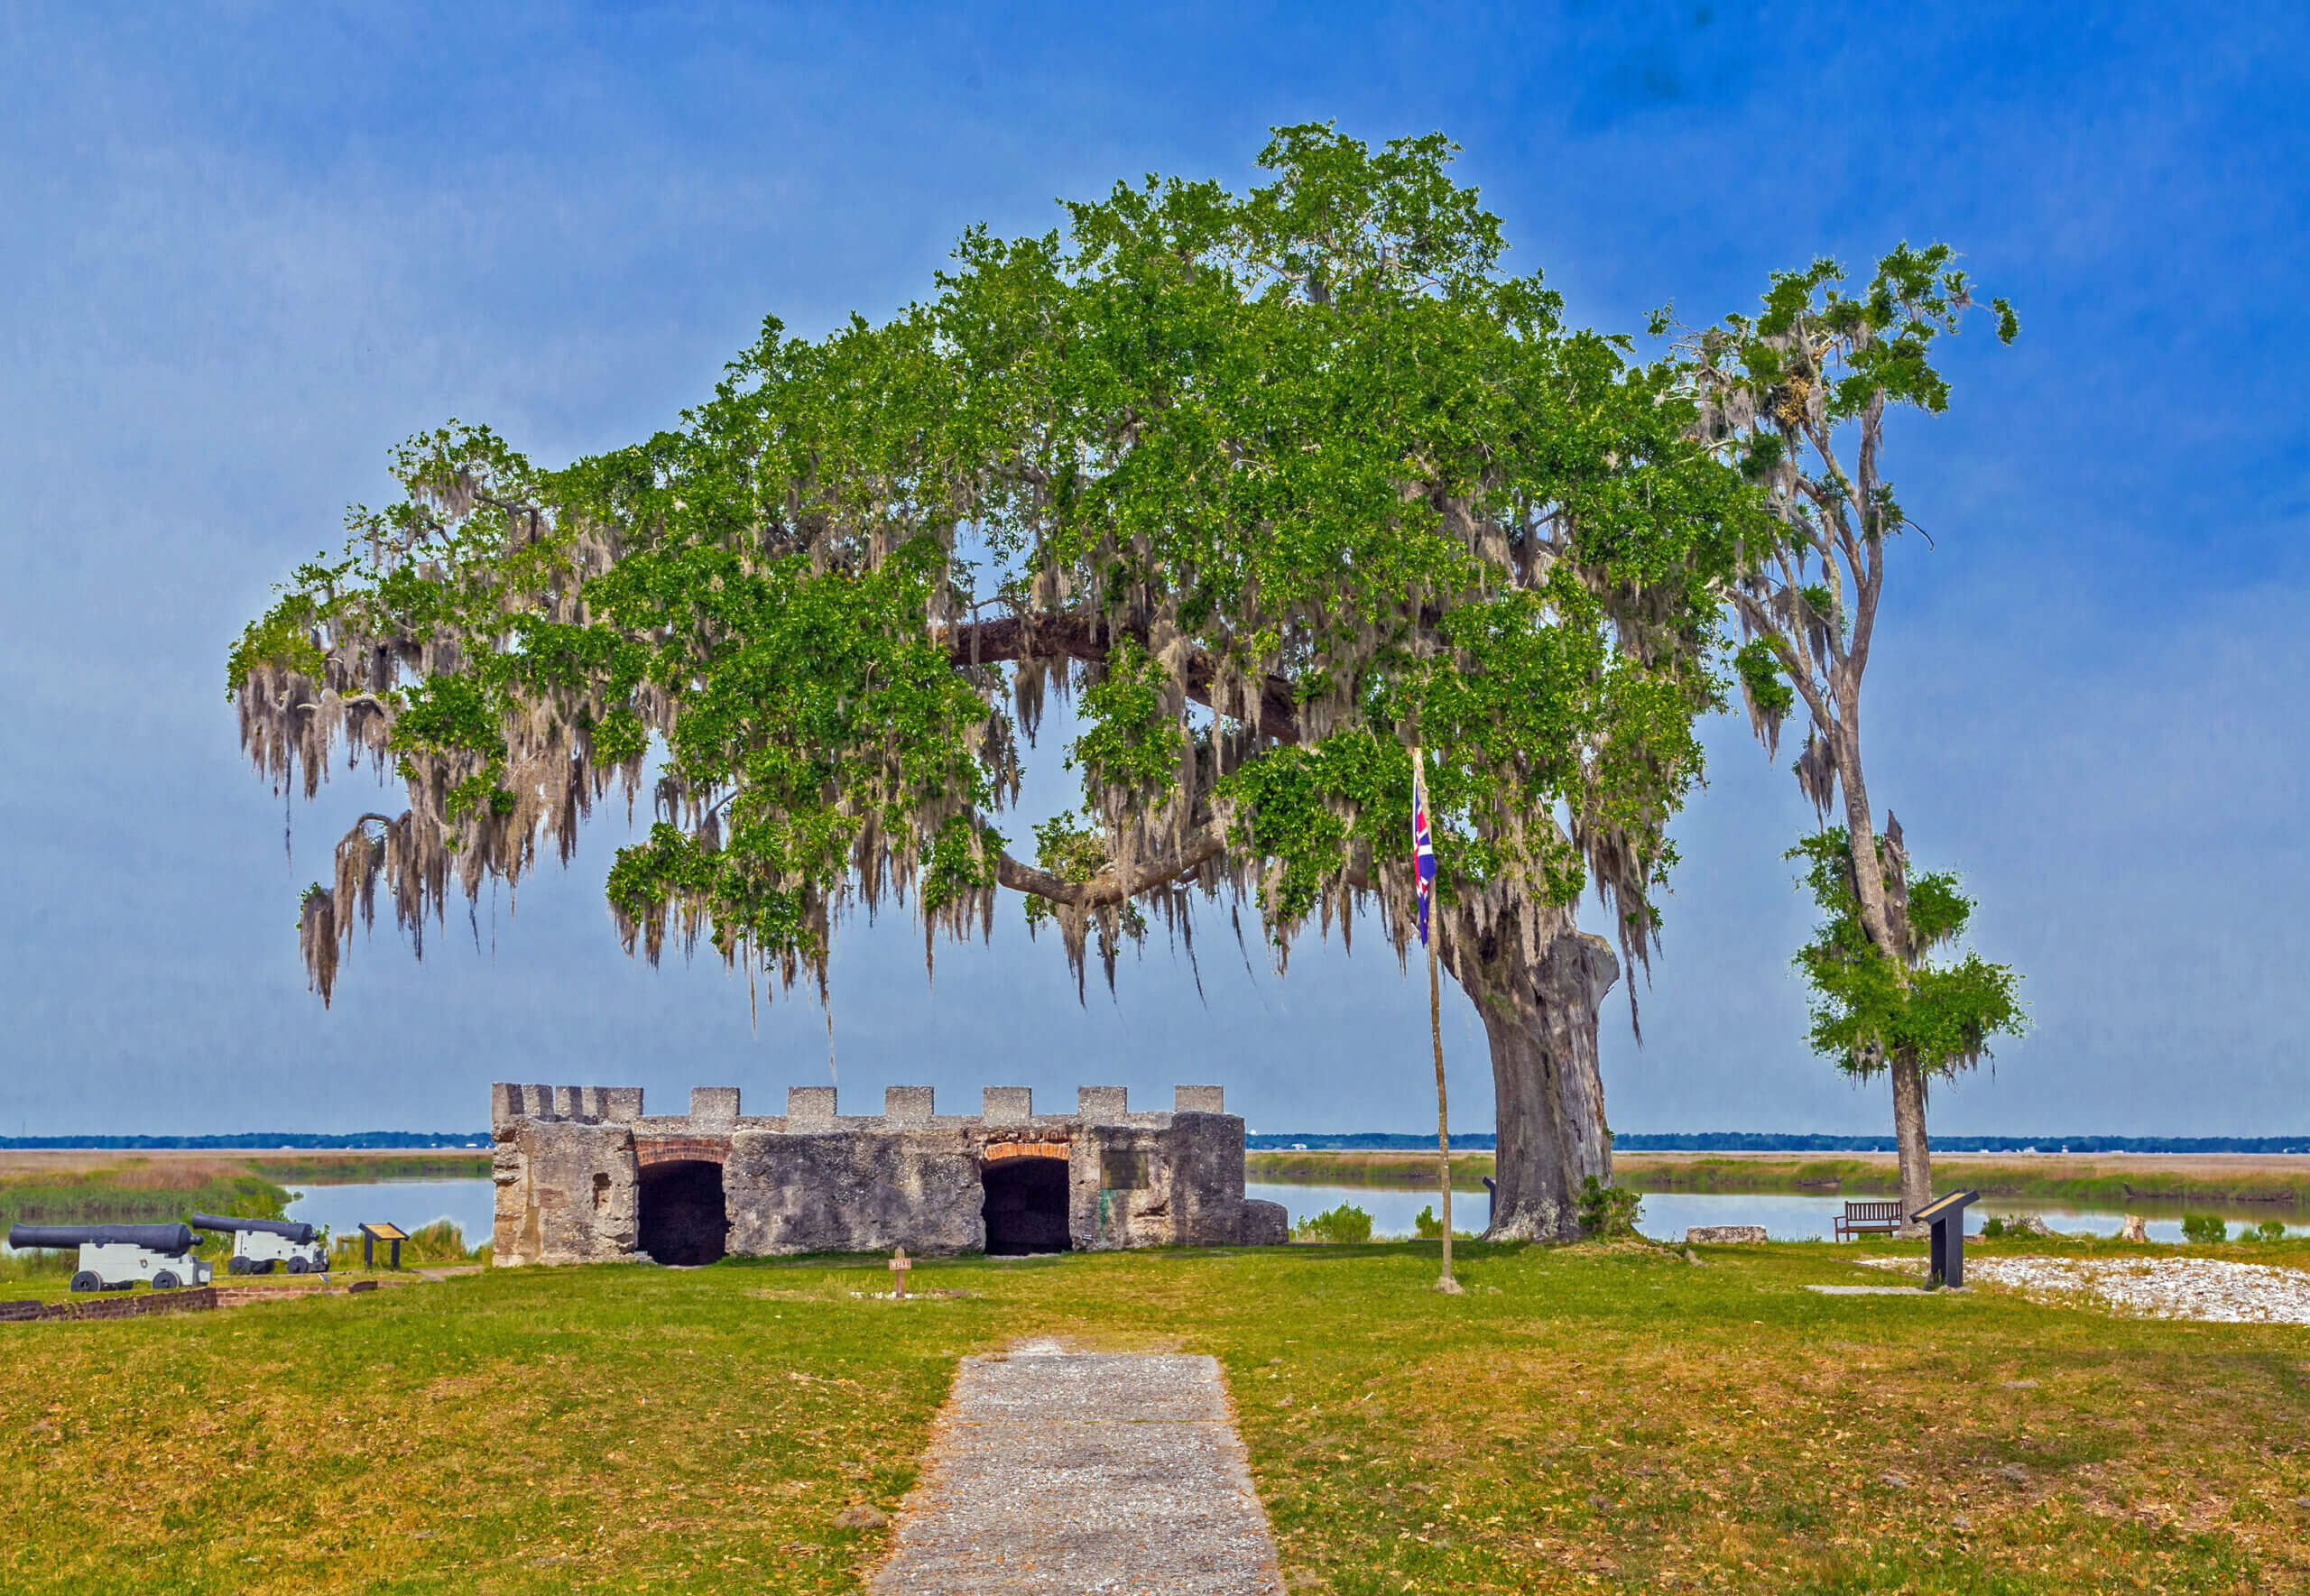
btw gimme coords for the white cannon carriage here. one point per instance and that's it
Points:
(116, 1256)
(259, 1245)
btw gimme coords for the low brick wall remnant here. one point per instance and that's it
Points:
(113, 1305)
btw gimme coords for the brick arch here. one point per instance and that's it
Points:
(1057, 1147)
(680, 1150)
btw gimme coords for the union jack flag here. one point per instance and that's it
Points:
(1423, 850)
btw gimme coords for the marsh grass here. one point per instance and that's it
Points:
(1345, 1223)
(140, 1192)
(440, 1243)
(1607, 1416)
(42, 1266)
(2141, 1185)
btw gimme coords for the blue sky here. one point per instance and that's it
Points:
(250, 248)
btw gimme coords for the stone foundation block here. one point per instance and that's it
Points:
(1264, 1224)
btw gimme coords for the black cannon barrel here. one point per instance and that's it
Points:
(153, 1238)
(294, 1230)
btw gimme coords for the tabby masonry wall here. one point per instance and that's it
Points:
(576, 1168)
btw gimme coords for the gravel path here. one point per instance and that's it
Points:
(1072, 1472)
(2209, 1289)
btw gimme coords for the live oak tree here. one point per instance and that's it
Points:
(1273, 485)
(1796, 398)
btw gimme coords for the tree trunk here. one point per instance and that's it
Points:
(1909, 1134)
(1885, 917)
(1541, 1022)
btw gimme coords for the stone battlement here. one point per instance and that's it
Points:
(584, 1174)
(812, 1110)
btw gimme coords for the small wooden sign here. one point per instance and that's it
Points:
(1946, 1215)
(1955, 1202)
(371, 1234)
(899, 1264)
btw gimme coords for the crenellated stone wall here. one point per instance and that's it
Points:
(584, 1174)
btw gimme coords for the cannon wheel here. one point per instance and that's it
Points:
(297, 1266)
(87, 1280)
(237, 1265)
(166, 1280)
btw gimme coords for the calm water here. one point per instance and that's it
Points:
(469, 1204)
(1665, 1215)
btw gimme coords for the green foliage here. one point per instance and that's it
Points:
(2270, 1230)
(1867, 1007)
(1345, 1223)
(1276, 482)
(2205, 1229)
(1607, 1211)
(1884, 335)
(1993, 1227)
(1763, 679)
(1428, 1228)
(1795, 397)
(1136, 738)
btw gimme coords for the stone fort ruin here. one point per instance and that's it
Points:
(583, 1176)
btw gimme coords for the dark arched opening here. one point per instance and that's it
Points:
(1026, 1205)
(682, 1219)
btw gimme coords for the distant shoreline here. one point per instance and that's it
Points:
(1634, 1142)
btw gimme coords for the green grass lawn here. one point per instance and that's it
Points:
(1587, 1418)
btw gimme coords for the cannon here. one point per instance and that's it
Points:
(113, 1257)
(260, 1244)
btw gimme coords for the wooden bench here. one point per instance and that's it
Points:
(1869, 1218)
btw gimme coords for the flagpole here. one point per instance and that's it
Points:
(1445, 1283)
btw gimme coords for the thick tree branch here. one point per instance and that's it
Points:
(1089, 638)
(1202, 844)
(1864, 623)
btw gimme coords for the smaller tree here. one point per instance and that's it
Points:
(1796, 397)
(1870, 1011)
